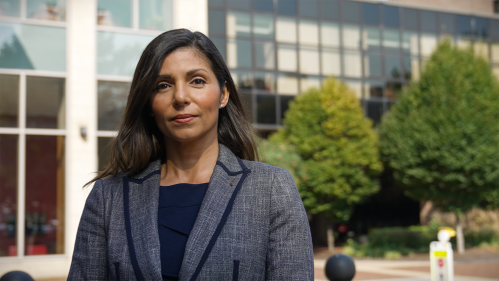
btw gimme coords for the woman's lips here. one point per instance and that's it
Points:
(184, 118)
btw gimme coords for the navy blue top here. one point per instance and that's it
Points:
(178, 208)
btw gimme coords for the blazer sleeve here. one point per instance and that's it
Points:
(290, 252)
(90, 256)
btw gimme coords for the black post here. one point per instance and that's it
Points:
(339, 267)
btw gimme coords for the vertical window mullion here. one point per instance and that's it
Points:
(21, 194)
(23, 7)
(135, 14)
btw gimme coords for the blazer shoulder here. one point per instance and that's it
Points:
(268, 171)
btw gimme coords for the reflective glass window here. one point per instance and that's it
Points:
(350, 11)
(10, 8)
(44, 213)
(329, 9)
(263, 26)
(32, 47)
(391, 39)
(238, 4)
(392, 66)
(156, 14)
(428, 21)
(8, 190)
(45, 102)
(220, 43)
(265, 81)
(371, 39)
(266, 109)
(355, 86)
(372, 64)
(331, 62)
(411, 68)
(446, 22)
(374, 110)
(264, 52)
(216, 3)
(308, 8)
(494, 49)
(481, 28)
(286, 58)
(373, 89)
(114, 12)
(410, 43)
(119, 53)
(428, 44)
(351, 36)
(285, 104)
(286, 30)
(104, 150)
(239, 53)
(287, 84)
(309, 60)
(46, 9)
(247, 101)
(494, 29)
(263, 5)
(111, 101)
(9, 97)
(390, 16)
(309, 32)
(216, 22)
(410, 19)
(238, 24)
(352, 65)
(370, 13)
(330, 34)
(286, 7)
(393, 90)
(463, 25)
(243, 79)
(309, 82)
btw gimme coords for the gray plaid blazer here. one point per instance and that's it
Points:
(251, 226)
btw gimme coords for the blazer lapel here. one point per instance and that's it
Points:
(225, 182)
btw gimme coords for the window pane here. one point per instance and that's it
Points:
(494, 48)
(410, 43)
(373, 88)
(8, 190)
(243, 79)
(247, 101)
(411, 68)
(285, 104)
(350, 11)
(155, 14)
(428, 44)
(239, 4)
(331, 63)
(464, 25)
(45, 102)
(351, 36)
(287, 84)
(263, 26)
(264, 52)
(9, 97)
(265, 109)
(370, 13)
(481, 28)
(446, 23)
(286, 7)
(263, 5)
(329, 9)
(309, 33)
(330, 34)
(216, 22)
(239, 53)
(308, 8)
(390, 16)
(45, 161)
(355, 86)
(10, 8)
(309, 82)
(286, 58)
(352, 64)
(392, 66)
(32, 47)
(265, 81)
(238, 25)
(371, 39)
(286, 30)
(216, 3)
(391, 40)
(374, 110)
(220, 43)
(46, 9)
(372, 65)
(410, 19)
(428, 21)
(494, 29)
(112, 98)
(114, 13)
(104, 148)
(119, 53)
(393, 90)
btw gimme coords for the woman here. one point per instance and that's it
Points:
(182, 198)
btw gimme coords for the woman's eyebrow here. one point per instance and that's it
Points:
(189, 73)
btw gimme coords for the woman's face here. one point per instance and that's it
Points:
(187, 98)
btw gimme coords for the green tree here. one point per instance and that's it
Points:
(441, 139)
(338, 148)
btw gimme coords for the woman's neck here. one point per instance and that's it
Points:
(189, 162)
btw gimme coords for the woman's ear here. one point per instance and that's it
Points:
(224, 96)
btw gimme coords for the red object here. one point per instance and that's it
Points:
(440, 262)
(12, 250)
(342, 228)
(31, 250)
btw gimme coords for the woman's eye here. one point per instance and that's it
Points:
(198, 81)
(162, 86)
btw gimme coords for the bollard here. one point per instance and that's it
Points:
(340, 267)
(16, 276)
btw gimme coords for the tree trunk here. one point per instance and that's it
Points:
(460, 236)
(330, 237)
(425, 212)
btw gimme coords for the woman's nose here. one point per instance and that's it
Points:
(181, 96)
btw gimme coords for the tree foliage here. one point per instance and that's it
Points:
(441, 139)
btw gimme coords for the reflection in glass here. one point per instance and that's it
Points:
(390, 16)
(371, 39)
(392, 66)
(220, 43)
(446, 22)
(156, 14)
(494, 48)
(411, 68)
(428, 44)
(355, 86)
(331, 63)
(119, 53)
(46, 9)
(265, 109)
(114, 13)
(393, 90)
(263, 26)
(494, 29)
(481, 27)
(374, 110)
(372, 64)
(216, 22)
(410, 43)
(309, 82)
(238, 4)
(239, 53)
(32, 47)
(265, 81)
(463, 25)
(242, 79)
(391, 40)
(428, 21)
(352, 65)
(104, 149)
(308, 8)
(287, 84)
(410, 19)
(370, 13)
(481, 49)
(309, 32)
(45, 102)
(285, 104)
(286, 7)
(351, 36)
(264, 52)
(247, 101)
(286, 30)
(238, 25)
(8, 190)
(10, 8)
(330, 34)
(350, 11)
(45, 161)
(216, 3)
(286, 58)
(309, 60)
(329, 9)
(373, 88)
(111, 102)
(9, 97)
(263, 5)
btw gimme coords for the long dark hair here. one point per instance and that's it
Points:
(139, 140)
